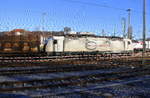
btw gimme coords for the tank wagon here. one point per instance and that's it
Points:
(19, 41)
(69, 44)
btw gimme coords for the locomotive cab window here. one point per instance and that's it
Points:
(129, 42)
(55, 42)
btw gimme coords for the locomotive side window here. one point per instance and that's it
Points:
(55, 42)
(129, 43)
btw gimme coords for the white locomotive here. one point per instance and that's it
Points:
(88, 44)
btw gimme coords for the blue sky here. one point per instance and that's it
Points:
(80, 15)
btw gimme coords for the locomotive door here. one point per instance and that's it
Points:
(127, 44)
(55, 44)
(58, 44)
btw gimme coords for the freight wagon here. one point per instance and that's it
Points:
(19, 41)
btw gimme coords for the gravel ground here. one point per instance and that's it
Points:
(131, 88)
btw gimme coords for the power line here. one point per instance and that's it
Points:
(104, 6)
(93, 4)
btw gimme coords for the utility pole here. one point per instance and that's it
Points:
(129, 35)
(124, 27)
(144, 31)
(43, 20)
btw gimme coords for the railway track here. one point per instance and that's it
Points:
(69, 66)
(47, 69)
(70, 80)
(103, 61)
(71, 61)
(26, 59)
(34, 74)
(98, 90)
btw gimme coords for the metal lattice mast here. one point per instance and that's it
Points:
(124, 27)
(129, 35)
